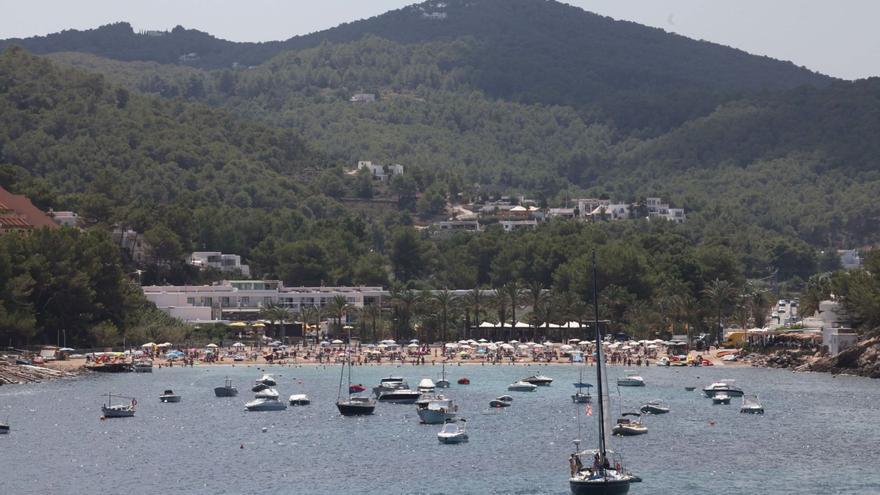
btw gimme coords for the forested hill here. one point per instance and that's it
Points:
(530, 51)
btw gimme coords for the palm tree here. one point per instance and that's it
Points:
(340, 307)
(499, 302)
(405, 301)
(475, 302)
(313, 314)
(444, 301)
(719, 294)
(276, 313)
(513, 292)
(537, 295)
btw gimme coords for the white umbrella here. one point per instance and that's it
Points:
(238, 344)
(506, 346)
(337, 341)
(148, 344)
(482, 341)
(451, 345)
(413, 346)
(566, 347)
(211, 345)
(538, 346)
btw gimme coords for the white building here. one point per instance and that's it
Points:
(613, 211)
(658, 209)
(227, 263)
(511, 225)
(836, 334)
(65, 218)
(363, 98)
(235, 299)
(850, 259)
(381, 172)
(458, 226)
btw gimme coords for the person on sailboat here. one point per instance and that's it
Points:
(572, 465)
(577, 462)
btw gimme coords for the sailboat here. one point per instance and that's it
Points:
(354, 405)
(600, 476)
(579, 397)
(442, 382)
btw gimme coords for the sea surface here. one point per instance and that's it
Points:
(820, 435)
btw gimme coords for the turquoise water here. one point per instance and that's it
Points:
(820, 434)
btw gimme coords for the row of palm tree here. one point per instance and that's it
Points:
(444, 315)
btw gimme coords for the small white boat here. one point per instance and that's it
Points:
(267, 380)
(111, 410)
(630, 379)
(540, 380)
(400, 396)
(169, 396)
(437, 411)
(269, 393)
(751, 405)
(142, 366)
(721, 398)
(389, 384)
(426, 386)
(299, 400)
(655, 407)
(452, 434)
(266, 400)
(521, 386)
(629, 424)
(724, 386)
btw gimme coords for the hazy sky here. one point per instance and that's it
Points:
(839, 38)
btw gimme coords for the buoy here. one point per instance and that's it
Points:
(242, 446)
(265, 429)
(711, 423)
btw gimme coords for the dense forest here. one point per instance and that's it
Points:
(252, 160)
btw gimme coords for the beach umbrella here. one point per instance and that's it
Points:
(324, 343)
(148, 344)
(238, 344)
(506, 346)
(463, 342)
(337, 341)
(514, 342)
(382, 346)
(566, 347)
(238, 324)
(414, 341)
(652, 346)
(538, 346)
(258, 325)
(482, 341)
(413, 346)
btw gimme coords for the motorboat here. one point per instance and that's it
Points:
(267, 379)
(655, 407)
(356, 406)
(464, 381)
(259, 387)
(442, 382)
(169, 396)
(690, 389)
(266, 400)
(452, 434)
(751, 405)
(721, 398)
(299, 400)
(400, 396)
(426, 386)
(630, 379)
(505, 398)
(724, 386)
(499, 403)
(4, 428)
(142, 366)
(269, 393)
(606, 475)
(227, 390)
(629, 424)
(539, 380)
(123, 410)
(437, 411)
(522, 387)
(390, 383)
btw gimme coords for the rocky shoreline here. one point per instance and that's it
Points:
(11, 373)
(862, 359)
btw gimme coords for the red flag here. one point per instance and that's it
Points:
(589, 410)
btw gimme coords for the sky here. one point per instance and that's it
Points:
(838, 38)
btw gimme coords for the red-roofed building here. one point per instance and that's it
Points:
(19, 215)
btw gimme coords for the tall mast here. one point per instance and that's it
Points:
(599, 361)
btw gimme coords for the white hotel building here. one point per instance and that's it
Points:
(243, 299)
